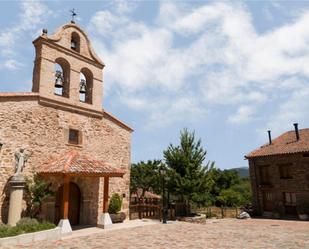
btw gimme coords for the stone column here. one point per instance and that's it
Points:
(17, 184)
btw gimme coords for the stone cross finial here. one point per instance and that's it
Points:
(73, 15)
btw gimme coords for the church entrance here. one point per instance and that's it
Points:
(74, 204)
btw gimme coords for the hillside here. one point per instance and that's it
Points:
(242, 171)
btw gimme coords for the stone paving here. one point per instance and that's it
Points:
(226, 233)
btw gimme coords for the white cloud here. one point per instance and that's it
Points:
(202, 58)
(31, 15)
(294, 110)
(244, 114)
(12, 64)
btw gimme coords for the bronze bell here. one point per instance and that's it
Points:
(73, 45)
(82, 87)
(59, 79)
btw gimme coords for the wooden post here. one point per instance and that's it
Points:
(105, 197)
(66, 193)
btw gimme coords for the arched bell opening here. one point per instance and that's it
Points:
(86, 86)
(75, 42)
(62, 77)
(82, 88)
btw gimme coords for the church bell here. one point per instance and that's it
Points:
(82, 87)
(59, 79)
(73, 44)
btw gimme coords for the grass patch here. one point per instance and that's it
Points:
(25, 225)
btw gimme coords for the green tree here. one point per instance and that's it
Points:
(188, 175)
(145, 176)
(36, 191)
(230, 198)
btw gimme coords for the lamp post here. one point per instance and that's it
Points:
(162, 173)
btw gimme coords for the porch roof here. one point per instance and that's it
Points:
(74, 164)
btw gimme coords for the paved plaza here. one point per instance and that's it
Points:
(227, 233)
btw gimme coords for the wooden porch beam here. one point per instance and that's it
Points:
(105, 197)
(66, 194)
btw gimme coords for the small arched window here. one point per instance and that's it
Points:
(75, 42)
(86, 86)
(62, 77)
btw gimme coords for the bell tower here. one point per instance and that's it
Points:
(67, 72)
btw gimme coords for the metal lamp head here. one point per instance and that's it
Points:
(59, 79)
(82, 87)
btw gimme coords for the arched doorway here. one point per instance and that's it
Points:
(74, 204)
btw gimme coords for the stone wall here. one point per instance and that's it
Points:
(44, 131)
(299, 182)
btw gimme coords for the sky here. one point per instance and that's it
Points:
(227, 70)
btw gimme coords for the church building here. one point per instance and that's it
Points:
(71, 141)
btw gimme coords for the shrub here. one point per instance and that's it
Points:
(36, 191)
(25, 225)
(27, 221)
(115, 204)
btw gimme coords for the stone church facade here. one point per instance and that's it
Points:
(62, 122)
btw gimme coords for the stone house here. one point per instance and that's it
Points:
(74, 143)
(279, 173)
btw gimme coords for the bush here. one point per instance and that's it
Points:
(27, 221)
(115, 204)
(25, 225)
(36, 191)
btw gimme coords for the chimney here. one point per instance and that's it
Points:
(296, 131)
(269, 137)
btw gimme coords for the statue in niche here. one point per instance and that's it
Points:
(21, 158)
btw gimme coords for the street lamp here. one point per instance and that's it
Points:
(162, 173)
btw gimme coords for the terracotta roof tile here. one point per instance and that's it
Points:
(284, 144)
(72, 163)
(148, 194)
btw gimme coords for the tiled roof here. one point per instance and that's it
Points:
(147, 194)
(284, 144)
(72, 163)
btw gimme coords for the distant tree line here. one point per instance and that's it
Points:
(188, 178)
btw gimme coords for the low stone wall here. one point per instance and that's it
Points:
(201, 219)
(51, 234)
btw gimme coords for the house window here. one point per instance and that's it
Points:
(289, 199)
(74, 136)
(285, 171)
(264, 174)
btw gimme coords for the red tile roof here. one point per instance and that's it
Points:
(72, 163)
(147, 194)
(284, 144)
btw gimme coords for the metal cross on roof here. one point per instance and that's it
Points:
(73, 15)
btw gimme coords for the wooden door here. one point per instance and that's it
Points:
(267, 201)
(74, 204)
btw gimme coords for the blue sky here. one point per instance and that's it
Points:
(228, 70)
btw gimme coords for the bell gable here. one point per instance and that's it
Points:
(67, 71)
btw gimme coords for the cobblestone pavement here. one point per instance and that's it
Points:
(227, 233)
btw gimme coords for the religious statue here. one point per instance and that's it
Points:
(21, 158)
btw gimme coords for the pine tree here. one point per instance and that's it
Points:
(188, 175)
(145, 176)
